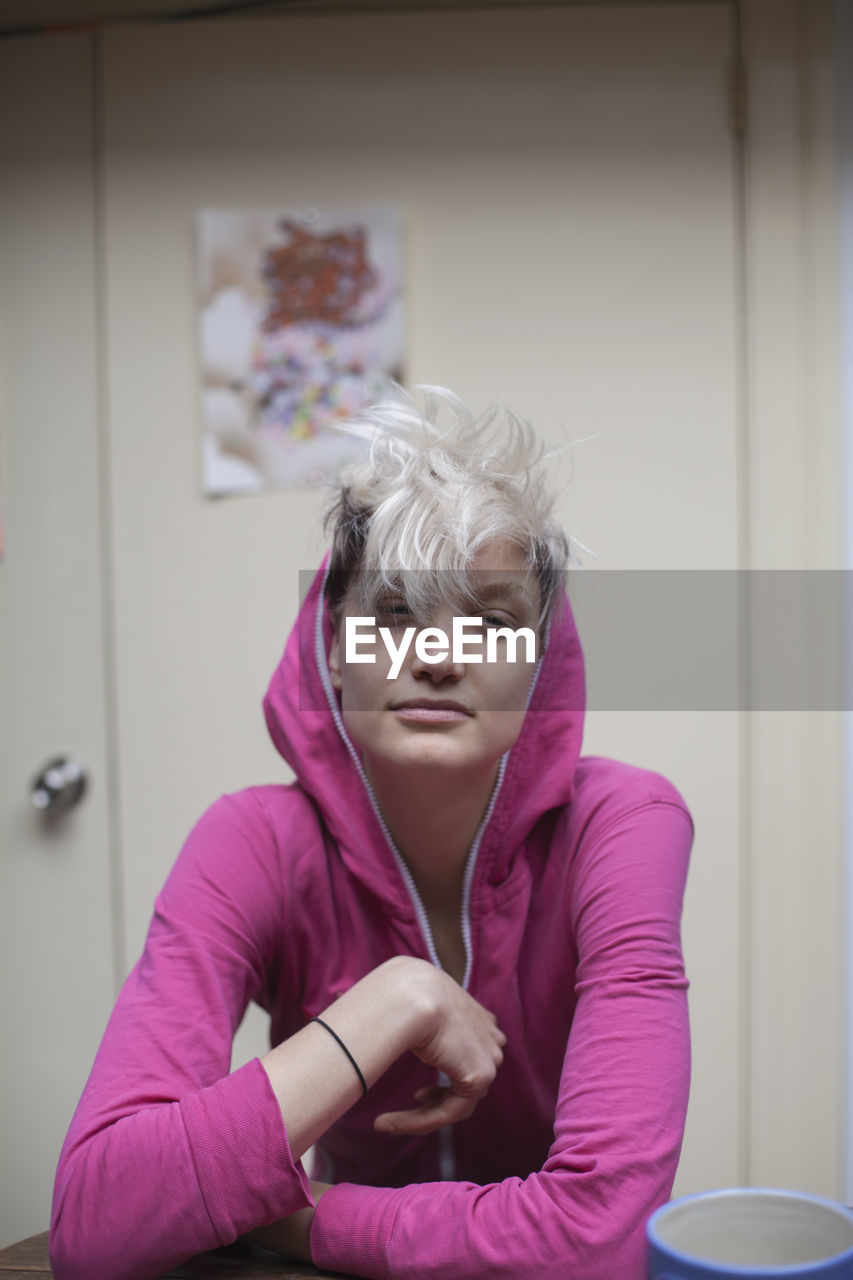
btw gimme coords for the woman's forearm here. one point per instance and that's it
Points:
(377, 1019)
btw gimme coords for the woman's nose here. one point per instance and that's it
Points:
(433, 653)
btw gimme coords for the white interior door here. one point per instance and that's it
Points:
(567, 181)
(56, 928)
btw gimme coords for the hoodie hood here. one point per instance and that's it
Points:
(304, 720)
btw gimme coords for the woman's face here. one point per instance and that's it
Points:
(444, 715)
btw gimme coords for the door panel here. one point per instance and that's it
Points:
(568, 189)
(56, 930)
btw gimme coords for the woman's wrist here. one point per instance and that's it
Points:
(388, 1011)
(411, 992)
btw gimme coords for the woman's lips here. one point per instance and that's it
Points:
(431, 712)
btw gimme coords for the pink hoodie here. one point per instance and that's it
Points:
(287, 895)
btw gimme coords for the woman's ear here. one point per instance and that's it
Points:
(335, 662)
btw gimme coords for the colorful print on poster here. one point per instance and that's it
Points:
(300, 325)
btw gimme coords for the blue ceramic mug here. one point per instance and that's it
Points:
(751, 1233)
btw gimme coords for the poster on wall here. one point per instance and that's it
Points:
(300, 326)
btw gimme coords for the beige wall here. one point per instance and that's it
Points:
(792, 494)
(844, 64)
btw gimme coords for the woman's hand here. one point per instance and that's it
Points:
(292, 1235)
(463, 1041)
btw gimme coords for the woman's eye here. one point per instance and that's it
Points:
(394, 610)
(495, 620)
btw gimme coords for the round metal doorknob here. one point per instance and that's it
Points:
(60, 785)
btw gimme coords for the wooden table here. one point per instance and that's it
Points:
(28, 1259)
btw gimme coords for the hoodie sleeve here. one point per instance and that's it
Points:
(168, 1154)
(620, 1111)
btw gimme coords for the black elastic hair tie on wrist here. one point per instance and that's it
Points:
(335, 1036)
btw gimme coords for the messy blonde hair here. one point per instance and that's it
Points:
(436, 488)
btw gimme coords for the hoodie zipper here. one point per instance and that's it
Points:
(447, 1155)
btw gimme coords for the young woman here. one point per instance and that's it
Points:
(466, 935)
